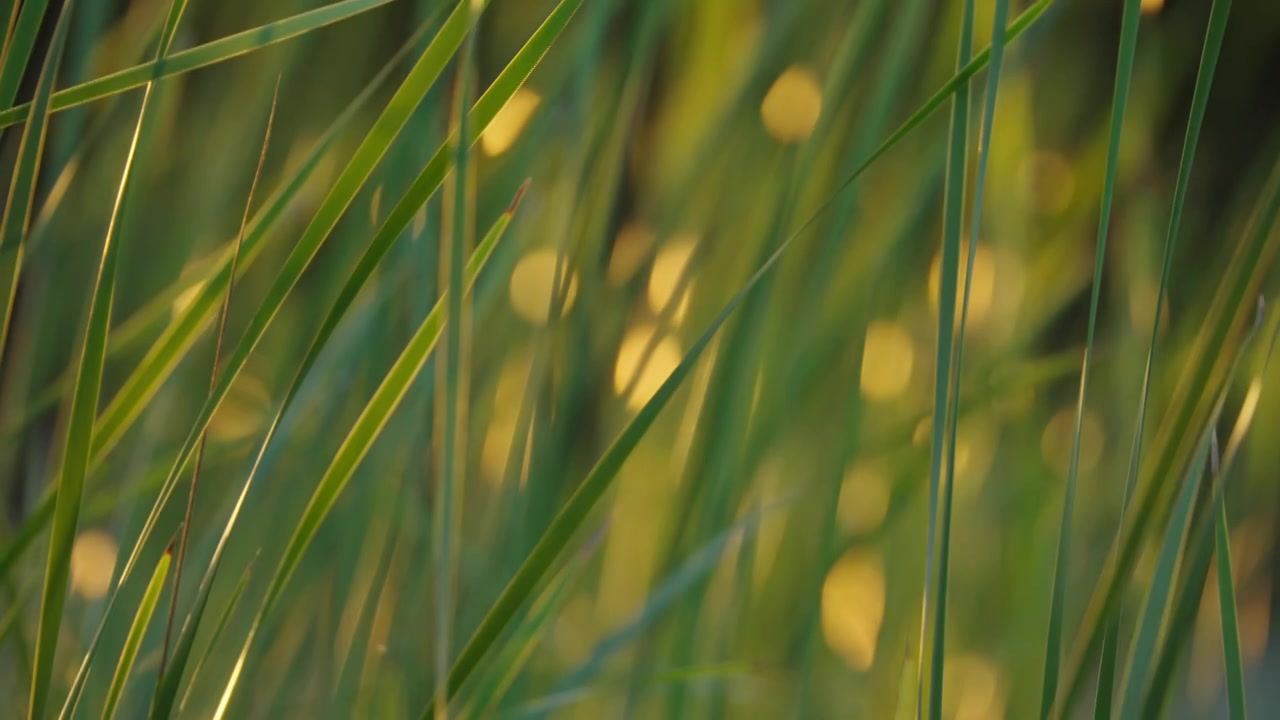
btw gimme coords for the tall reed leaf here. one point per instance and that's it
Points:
(1230, 615)
(1120, 100)
(946, 372)
(367, 427)
(1199, 103)
(197, 57)
(18, 51)
(22, 189)
(133, 641)
(84, 404)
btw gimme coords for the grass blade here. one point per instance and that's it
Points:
(353, 662)
(197, 57)
(945, 373)
(22, 189)
(75, 463)
(1230, 616)
(388, 125)
(1211, 357)
(1199, 103)
(18, 51)
(570, 517)
(142, 619)
(213, 377)
(1120, 100)
(353, 449)
(167, 687)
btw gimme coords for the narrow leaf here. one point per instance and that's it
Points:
(18, 51)
(1230, 616)
(141, 620)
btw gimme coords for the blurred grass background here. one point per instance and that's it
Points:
(762, 551)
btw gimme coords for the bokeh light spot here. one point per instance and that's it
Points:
(886, 361)
(664, 279)
(853, 608)
(1056, 441)
(532, 282)
(509, 122)
(93, 559)
(664, 359)
(793, 105)
(864, 500)
(984, 283)
(629, 250)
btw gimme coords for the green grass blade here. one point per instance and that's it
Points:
(1230, 616)
(185, 61)
(22, 189)
(457, 221)
(1199, 103)
(353, 661)
(388, 125)
(75, 462)
(361, 436)
(18, 51)
(167, 687)
(141, 620)
(1120, 100)
(946, 372)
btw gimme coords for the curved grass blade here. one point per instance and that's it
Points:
(213, 377)
(75, 462)
(570, 517)
(1230, 616)
(385, 129)
(167, 686)
(361, 436)
(18, 51)
(185, 61)
(946, 373)
(353, 661)
(22, 189)
(1199, 103)
(1120, 100)
(146, 607)
(1210, 359)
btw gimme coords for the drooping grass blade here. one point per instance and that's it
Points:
(1120, 100)
(357, 443)
(133, 641)
(197, 57)
(84, 403)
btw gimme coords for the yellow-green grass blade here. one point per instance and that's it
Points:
(566, 522)
(366, 157)
(1230, 616)
(353, 661)
(1199, 103)
(18, 51)
(165, 353)
(9, 13)
(938, 531)
(353, 449)
(22, 188)
(133, 641)
(1120, 100)
(197, 57)
(76, 455)
(1230, 313)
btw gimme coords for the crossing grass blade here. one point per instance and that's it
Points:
(946, 375)
(197, 57)
(357, 443)
(167, 687)
(573, 513)
(1230, 616)
(163, 356)
(366, 157)
(1232, 310)
(76, 455)
(133, 641)
(1120, 100)
(22, 189)
(1199, 103)
(18, 51)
